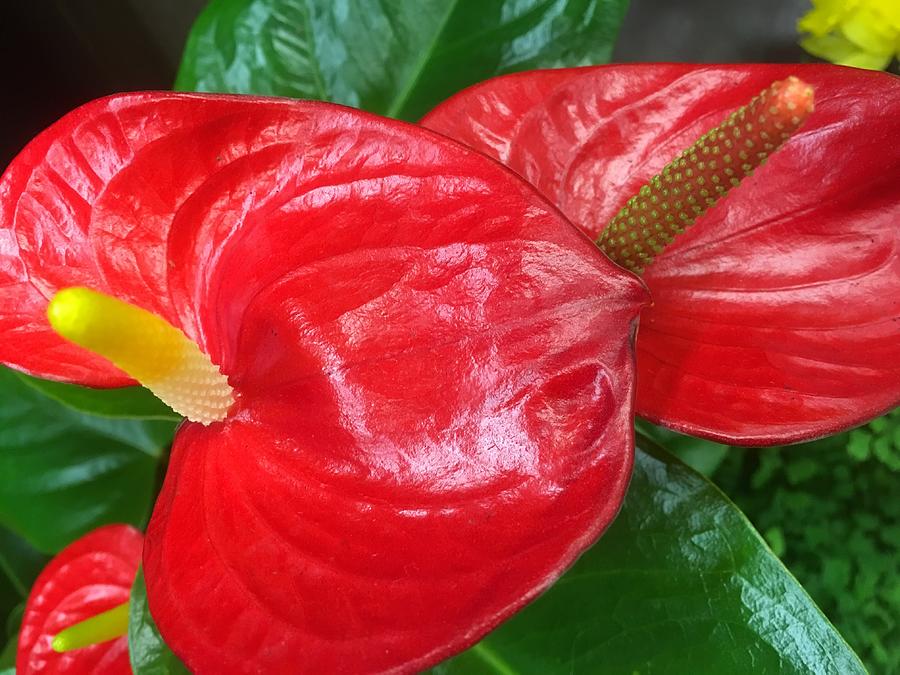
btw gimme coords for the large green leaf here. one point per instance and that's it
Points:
(129, 402)
(148, 653)
(65, 472)
(826, 509)
(681, 583)
(393, 57)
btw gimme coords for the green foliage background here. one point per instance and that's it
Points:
(830, 510)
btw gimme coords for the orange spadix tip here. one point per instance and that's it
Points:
(792, 97)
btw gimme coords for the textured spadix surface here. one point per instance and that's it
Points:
(776, 317)
(433, 369)
(147, 348)
(90, 576)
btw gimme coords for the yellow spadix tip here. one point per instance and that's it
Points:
(103, 627)
(146, 347)
(67, 309)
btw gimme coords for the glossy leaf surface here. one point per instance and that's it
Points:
(90, 576)
(433, 369)
(396, 58)
(65, 472)
(147, 651)
(681, 583)
(776, 317)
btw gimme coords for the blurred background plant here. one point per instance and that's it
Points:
(860, 33)
(829, 510)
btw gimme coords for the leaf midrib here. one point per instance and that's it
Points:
(492, 659)
(401, 99)
(316, 68)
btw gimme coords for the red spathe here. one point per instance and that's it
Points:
(776, 317)
(433, 369)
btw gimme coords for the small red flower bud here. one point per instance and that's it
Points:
(89, 577)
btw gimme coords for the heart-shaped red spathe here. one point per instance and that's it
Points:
(776, 317)
(433, 370)
(88, 577)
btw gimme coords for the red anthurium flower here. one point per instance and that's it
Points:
(776, 317)
(89, 581)
(427, 410)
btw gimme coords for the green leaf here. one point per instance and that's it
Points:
(681, 583)
(148, 653)
(825, 507)
(129, 402)
(397, 58)
(65, 472)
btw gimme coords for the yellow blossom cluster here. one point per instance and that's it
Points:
(861, 33)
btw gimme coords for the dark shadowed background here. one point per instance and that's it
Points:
(57, 54)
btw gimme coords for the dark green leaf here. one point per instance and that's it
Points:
(681, 583)
(65, 472)
(19, 562)
(8, 657)
(397, 58)
(129, 402)
(148, 653)
(14, 620)
(20, 565)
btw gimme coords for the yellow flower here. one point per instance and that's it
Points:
(861, 33)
